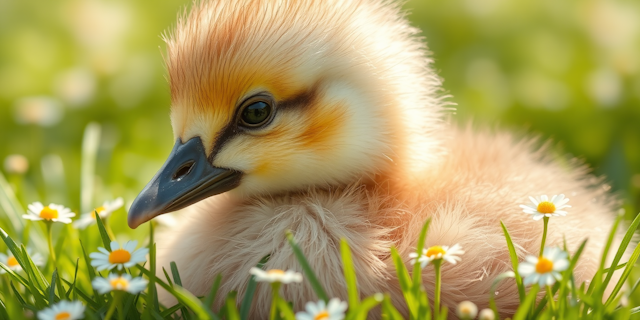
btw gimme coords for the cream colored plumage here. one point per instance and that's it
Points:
(359, 147)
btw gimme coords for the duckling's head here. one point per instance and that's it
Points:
(271, 96)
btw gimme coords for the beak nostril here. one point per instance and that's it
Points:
(183, 170)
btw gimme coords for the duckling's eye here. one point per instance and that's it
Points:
(255, 114)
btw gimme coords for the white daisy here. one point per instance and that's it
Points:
(10, 261)
(276, 275)
(321, 311)
(122, 282)
(486, 314)
(52, 212)
(124, 257)
(543, 207)
(63, 310)
(544, 270)
(437, 253)
(104, 211)
(467, 310)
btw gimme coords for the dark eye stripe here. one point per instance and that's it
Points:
(300, 99)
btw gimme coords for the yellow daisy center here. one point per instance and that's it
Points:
(12, 262)
(48, 213)
(119, 256)
(275, 272)
(546, 207)
(322, 315)
(99, 209)
(544, 265)
(434, 251)
(119, 283)
(63, 316)
(466, 310)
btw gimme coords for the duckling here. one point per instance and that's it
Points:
(326, 118)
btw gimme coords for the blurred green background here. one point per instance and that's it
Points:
(565, 70)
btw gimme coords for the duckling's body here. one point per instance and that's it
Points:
(478, 182)
(324, 118)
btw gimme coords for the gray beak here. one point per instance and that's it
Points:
(185, 178)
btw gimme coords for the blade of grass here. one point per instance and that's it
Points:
(367, 304)
(166, 313)
(73, 284)
(389, 310)
(424, 308)
(25, 263)
(37, 293)
(597, 278)
(621, 250)
(175, 273)
(310, 275)
(625, 274)
(245, 307)
(285, 309)
(52, 288)
(525, 306)
(86, 297)
(13, 247)
(349, 274)
(417, 274)
(567, 276)
(405, 283)
(166, 276)
(21, 300)
(443, 313)
(514, 261)
(128, 302)
(184, 296)
(232, 312)
(31, 268)
(104, 235)
(208, 301)
(178, 281)
(92, 274)
(543, 302)
(10, 205)
(634, 287)
(14, 275)
(416, 287)
(152, 287)
(618, 267)
(3, 311)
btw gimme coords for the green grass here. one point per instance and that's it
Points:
(69, 277)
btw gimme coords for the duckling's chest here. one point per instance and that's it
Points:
(226, 237)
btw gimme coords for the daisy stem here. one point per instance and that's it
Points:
(275, 288)
(436, 294)
(117, 296)
(552, 303)
(52, 252)
(544, 234)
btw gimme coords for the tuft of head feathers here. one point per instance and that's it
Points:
(354, 93)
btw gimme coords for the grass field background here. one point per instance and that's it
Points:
(568, 71)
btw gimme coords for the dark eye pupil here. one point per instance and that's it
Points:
(256, 113)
